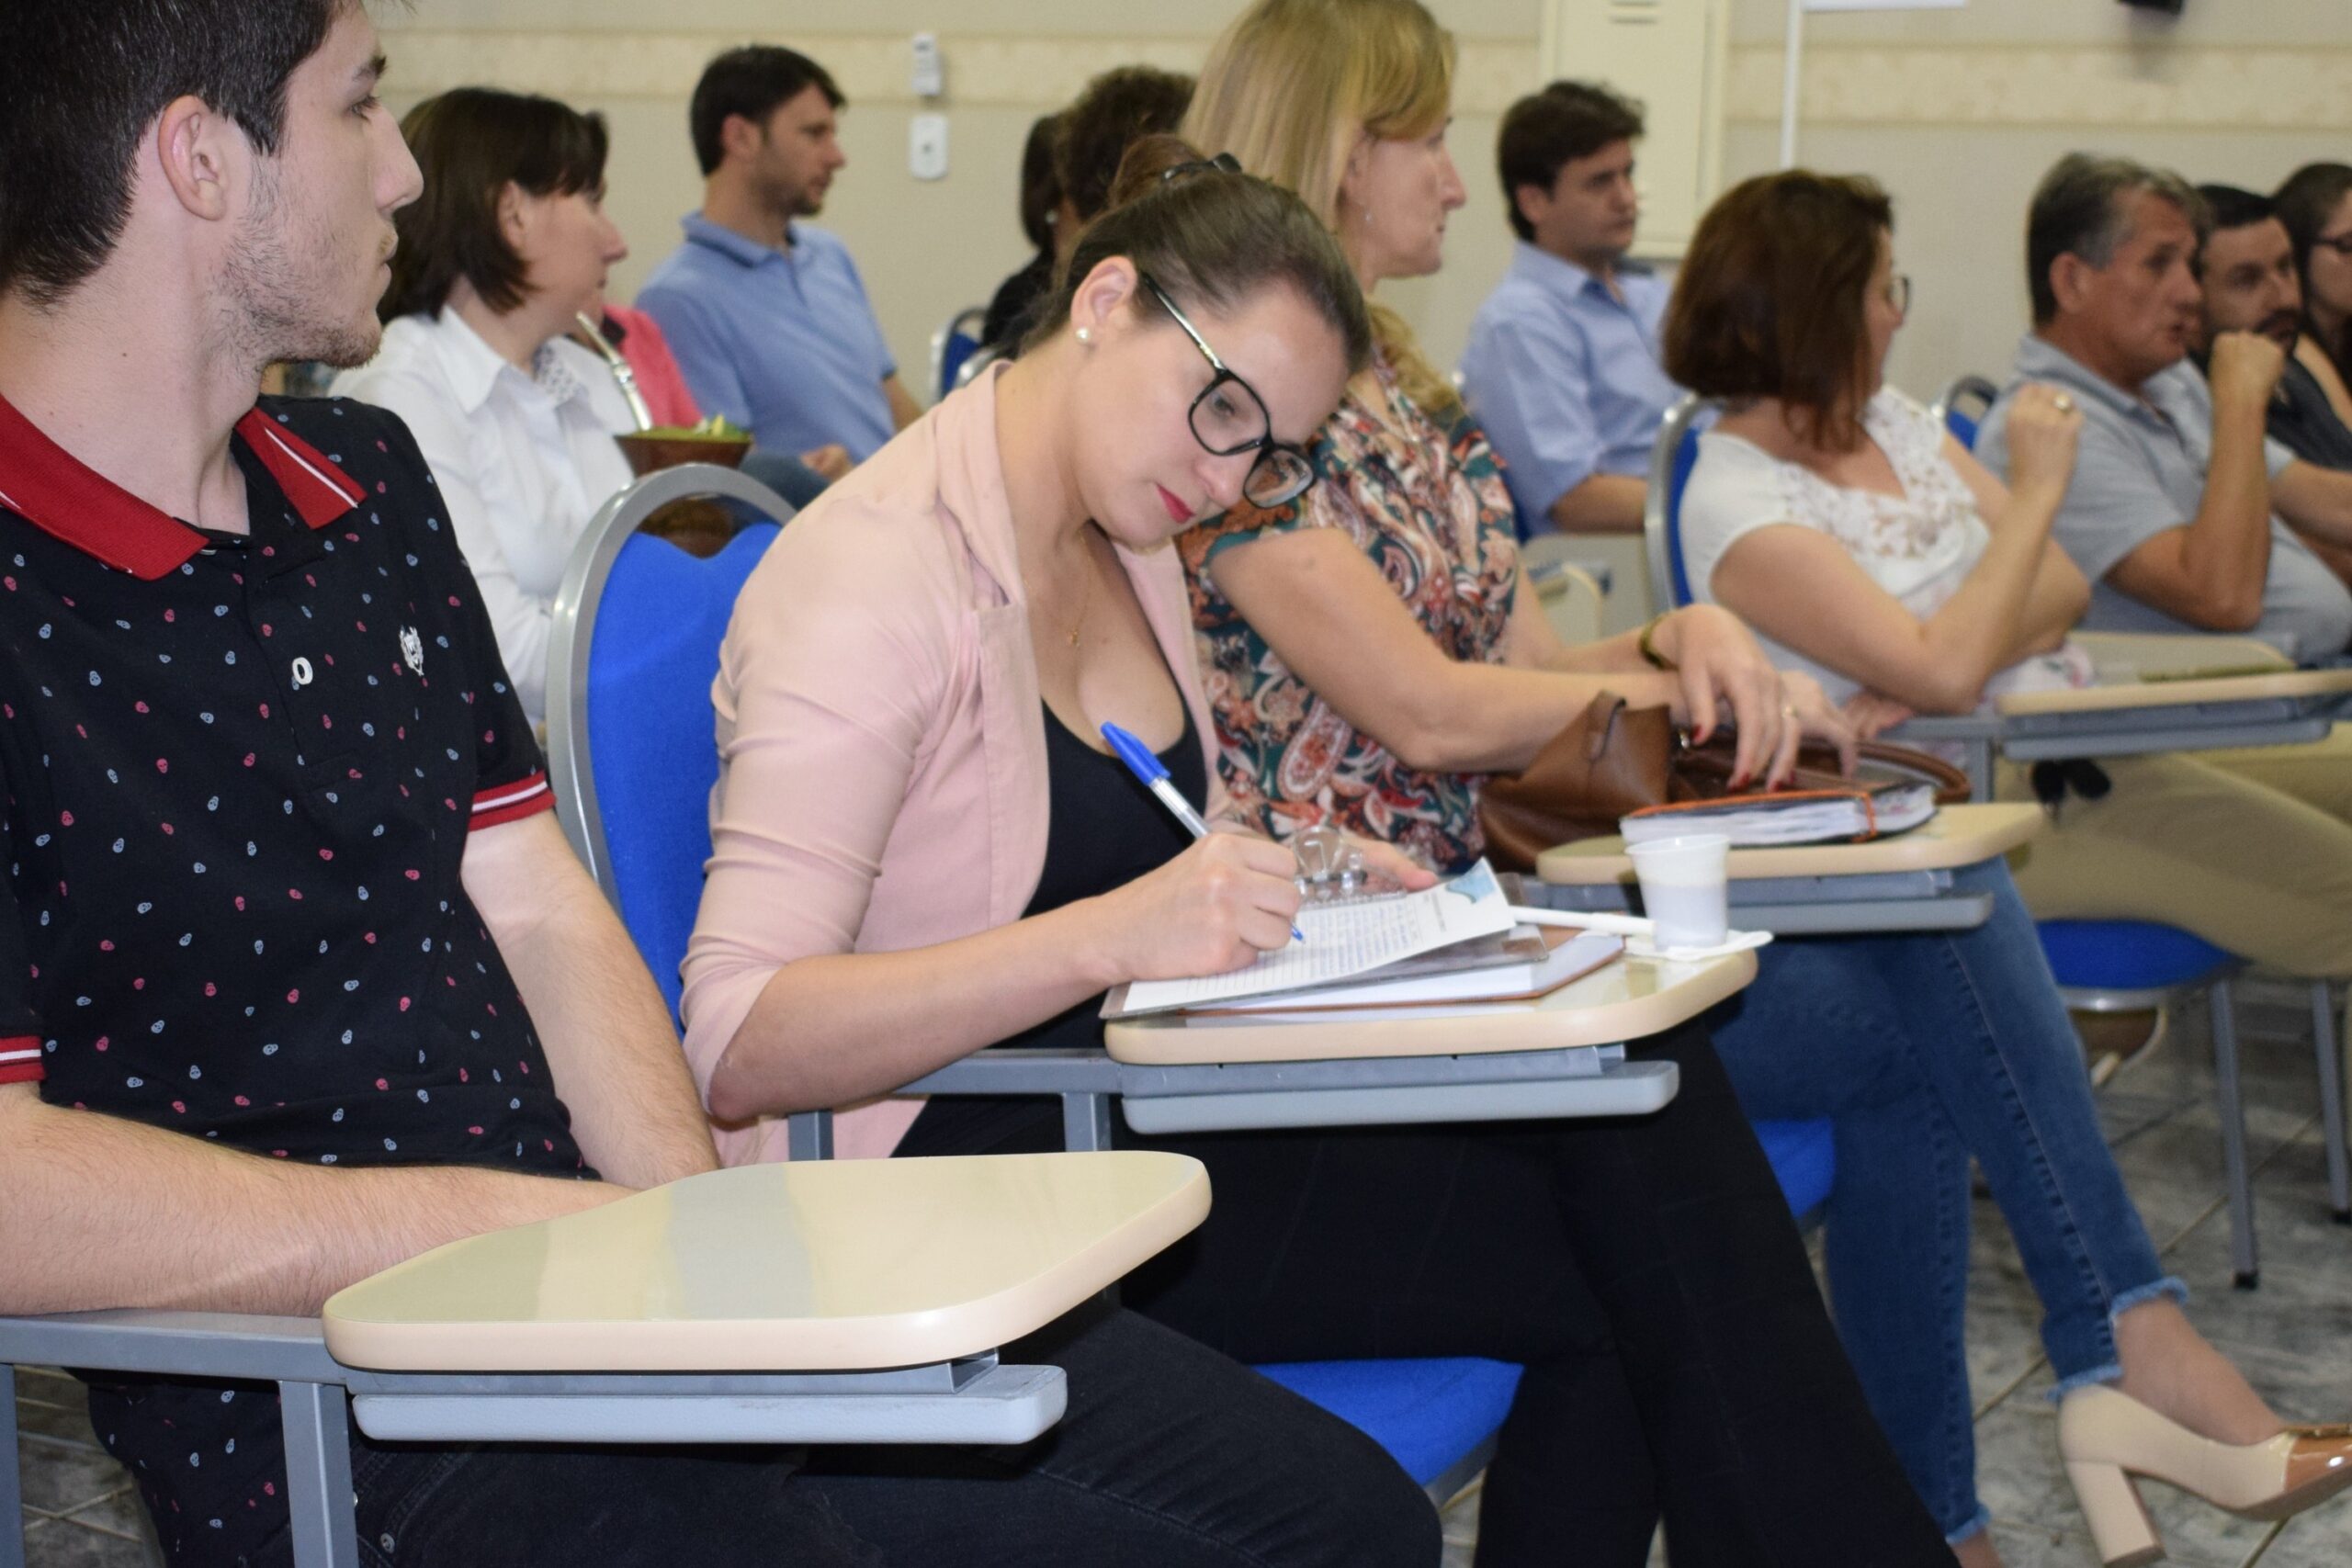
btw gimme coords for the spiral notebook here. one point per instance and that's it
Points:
(1343, 940)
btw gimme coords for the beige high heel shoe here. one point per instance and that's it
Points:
(2108, 1439)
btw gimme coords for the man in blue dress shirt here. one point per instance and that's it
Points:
(767, 315)
(1562, 368)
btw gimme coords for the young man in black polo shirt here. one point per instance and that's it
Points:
(293, 958)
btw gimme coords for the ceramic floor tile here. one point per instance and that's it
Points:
(2320, 1538)
(59, 1543)
(66, 1424)
(121, 1513)
(58, 1477)
(2036, 1546)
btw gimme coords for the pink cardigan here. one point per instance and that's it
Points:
(881, 739)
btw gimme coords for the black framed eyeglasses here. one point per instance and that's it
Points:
(1898, 293)
(1229, 418)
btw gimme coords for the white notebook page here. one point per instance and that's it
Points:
(1343, 940)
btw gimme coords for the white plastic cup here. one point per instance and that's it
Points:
(1685, 888)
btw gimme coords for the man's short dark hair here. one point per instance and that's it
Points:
(2079, 210)
(2227, 207)
(1545, 131)
(470, 143)
(1111, 113)
(81, 81)
(750, 80)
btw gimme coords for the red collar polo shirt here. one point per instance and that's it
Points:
(237, 775)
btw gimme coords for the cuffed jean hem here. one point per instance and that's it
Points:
(2111, 1372)
(1977, 1524)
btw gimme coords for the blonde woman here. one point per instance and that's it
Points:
(1337, 703)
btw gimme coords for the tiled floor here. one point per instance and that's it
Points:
(2293, 1336)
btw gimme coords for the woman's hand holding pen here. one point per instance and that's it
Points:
(1226, 899)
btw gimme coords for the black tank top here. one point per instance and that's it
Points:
(1105, 829)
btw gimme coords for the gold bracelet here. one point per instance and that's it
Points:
(1649, 647)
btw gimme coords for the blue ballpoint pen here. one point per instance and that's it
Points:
(1153, 775)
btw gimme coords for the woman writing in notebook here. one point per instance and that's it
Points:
(920, 850)
(1373, 655)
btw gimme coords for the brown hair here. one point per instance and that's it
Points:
(1545, 131)
(470, 144)
(1768, 301)
(1211, 235)
(1094, 132)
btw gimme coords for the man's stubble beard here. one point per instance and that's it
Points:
(276, 286)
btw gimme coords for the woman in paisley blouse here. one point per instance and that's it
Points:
(1371, 655)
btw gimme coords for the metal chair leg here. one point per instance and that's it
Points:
(2245, 1269)
(12, 1500)
(808, 1135)
(2331, 1102)
(1086, 1121)
(318, 1475)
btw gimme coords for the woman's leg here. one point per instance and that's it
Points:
(1764, 1448)
(1818, 1034)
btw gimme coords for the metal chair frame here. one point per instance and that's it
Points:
(1970, 389)
(968, 320)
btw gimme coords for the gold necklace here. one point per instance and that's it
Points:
(1086, 602)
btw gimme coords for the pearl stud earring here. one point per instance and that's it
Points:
(1086, 334)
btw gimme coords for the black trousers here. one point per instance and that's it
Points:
(1168, 1456)
(1644, 1270)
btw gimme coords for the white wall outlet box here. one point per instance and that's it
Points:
(931, 71)
(927, 146)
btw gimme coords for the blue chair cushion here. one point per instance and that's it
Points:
(1686, 457)
(654, 654)
(959, 347)
(1427, 1413)
(2128, 955)
(1963, 428)
(1804, 1159)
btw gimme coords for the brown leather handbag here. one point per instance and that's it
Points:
(1614, 759)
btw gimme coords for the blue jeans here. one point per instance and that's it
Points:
(1925, 1049)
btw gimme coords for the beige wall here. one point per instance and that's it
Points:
(926, 248)
(1957, 111)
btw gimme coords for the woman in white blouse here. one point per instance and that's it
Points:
(1863, 545)
(509, 244)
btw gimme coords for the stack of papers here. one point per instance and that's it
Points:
(1370, 952)
(1802, 817)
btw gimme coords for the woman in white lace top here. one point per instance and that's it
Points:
(1831, 514)
(1867, 547)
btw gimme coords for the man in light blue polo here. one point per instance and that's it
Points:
(1562, 369)
(766, 314)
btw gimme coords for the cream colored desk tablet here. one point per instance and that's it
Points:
(2282, 709)
(1560, 1055)
(820, 1304)
(1904, 882)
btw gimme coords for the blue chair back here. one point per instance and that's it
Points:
(1804, 1156)
(951, 346)
(1962, 405)
(1674, 454)
(663, 616)
(636, 647)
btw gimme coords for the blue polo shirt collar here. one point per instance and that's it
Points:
(1557, 276)
(2039, 359)
(741, 249)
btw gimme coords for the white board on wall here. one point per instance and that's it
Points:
(1884, 4)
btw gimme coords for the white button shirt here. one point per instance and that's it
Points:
(523, 462)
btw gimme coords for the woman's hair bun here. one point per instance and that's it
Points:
(1144, 167)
